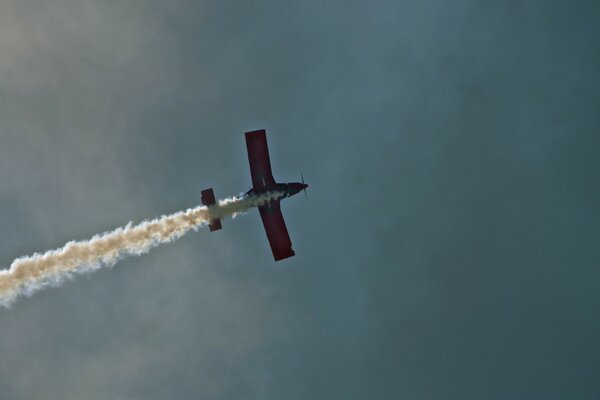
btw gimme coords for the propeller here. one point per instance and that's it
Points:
(302, 177)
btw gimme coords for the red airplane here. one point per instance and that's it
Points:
(263, 182)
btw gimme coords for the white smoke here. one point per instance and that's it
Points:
(30, 274)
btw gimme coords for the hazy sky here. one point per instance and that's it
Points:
(449, 245)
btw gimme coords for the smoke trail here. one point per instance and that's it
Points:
(30, 274)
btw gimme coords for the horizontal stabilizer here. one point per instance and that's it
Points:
(208, 199)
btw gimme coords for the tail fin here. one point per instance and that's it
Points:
(208, 199)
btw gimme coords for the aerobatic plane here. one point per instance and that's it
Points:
(263, 182)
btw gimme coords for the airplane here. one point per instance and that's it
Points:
(263, 182)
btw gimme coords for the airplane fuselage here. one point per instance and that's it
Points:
(287, 189)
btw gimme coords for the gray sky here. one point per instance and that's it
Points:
(449, 245)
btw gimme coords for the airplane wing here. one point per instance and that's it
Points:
(258, 155)
(277, 233)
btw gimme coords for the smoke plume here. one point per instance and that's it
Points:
(29, 274)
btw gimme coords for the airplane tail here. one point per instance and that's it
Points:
(208, 199)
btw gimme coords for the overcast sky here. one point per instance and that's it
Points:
(449, 245)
